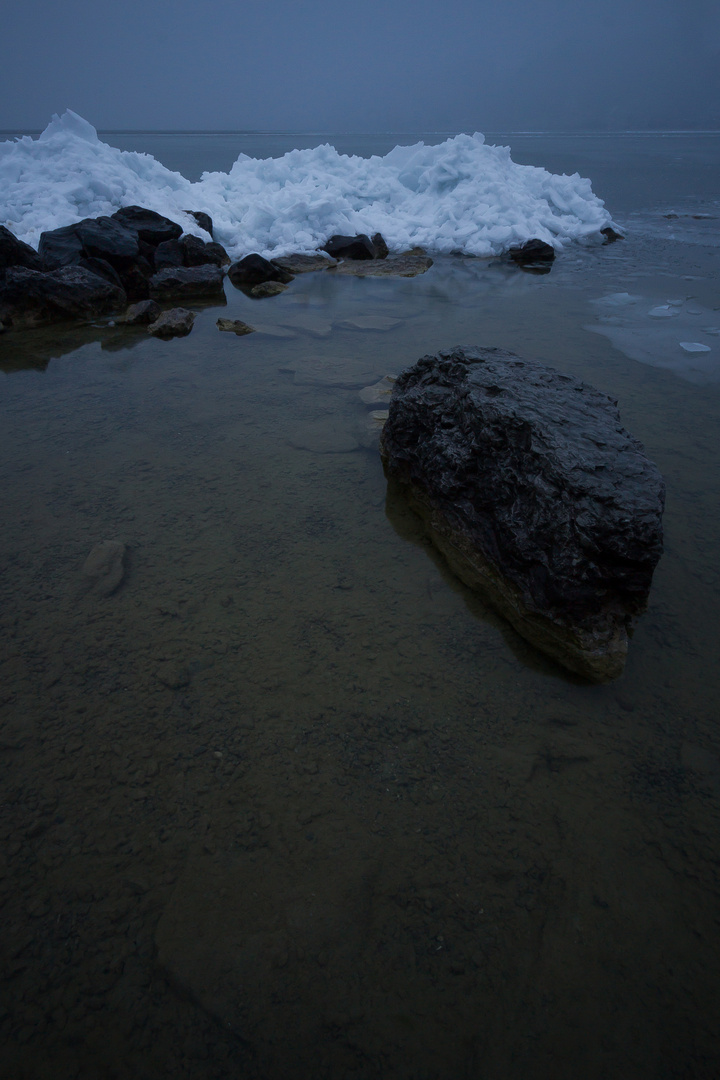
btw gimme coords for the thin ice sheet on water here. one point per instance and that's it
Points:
(462, 195)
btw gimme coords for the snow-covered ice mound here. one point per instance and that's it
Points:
(459, 196)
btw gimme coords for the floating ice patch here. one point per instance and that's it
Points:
(656, 342)
(664, 311)
(462, 195)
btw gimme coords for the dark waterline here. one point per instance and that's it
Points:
(292, 802)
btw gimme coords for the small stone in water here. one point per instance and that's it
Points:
(235, 326)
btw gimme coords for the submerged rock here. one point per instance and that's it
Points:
(104, 568)
(177, 322)
(535, 493)
(303, 264)
(140, 314)
(235, 326)
(30, 298)
(267, 288)
(392, 266)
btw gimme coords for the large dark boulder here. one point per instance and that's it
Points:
(91, 238)
(254, 270)
(535, 493)
(14, 252)
(30, 298)
(151, 227)
(187, 282)
(198, 253)
(169, 253)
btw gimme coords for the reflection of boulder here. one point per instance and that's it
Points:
(536, 495)
(533, 253)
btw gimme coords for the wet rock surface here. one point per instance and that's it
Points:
(177, 322)
(303, 264)
(140, 314)
(14, 252)
(536, 495)
(187, 282)
(29, 298)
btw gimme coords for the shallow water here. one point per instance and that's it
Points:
(292, 802)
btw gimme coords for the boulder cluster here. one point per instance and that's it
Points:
(95, 266)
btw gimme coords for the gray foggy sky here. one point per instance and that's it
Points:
(379, 65)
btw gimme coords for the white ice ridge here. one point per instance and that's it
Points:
(460, 196)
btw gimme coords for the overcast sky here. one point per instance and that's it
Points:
(375, 65)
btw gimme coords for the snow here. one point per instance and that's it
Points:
(460, 196)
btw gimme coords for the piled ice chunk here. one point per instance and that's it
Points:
(462, 195)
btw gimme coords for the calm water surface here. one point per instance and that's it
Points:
(292, 802)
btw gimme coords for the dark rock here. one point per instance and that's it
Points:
(151, 227)
(254, 270)
(381, 249)
(535, 493)
(140, 314)
(177, 322)
(103, 269)
(611, 235)
(105, 238)
(169, 253)
(14, 252)
(135, 279)
(197, 254)
(29, 298)
(187, 281)
(303, 264)
(532, 252)
(350, 247)
(223, 259)
(60, 247)
(204, 220)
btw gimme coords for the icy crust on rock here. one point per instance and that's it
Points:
(460, 196)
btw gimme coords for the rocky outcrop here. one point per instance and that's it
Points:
(535, 493)
(255, 270)
(14, 252)
(196, 282)
(177, 322)
(30, 298)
